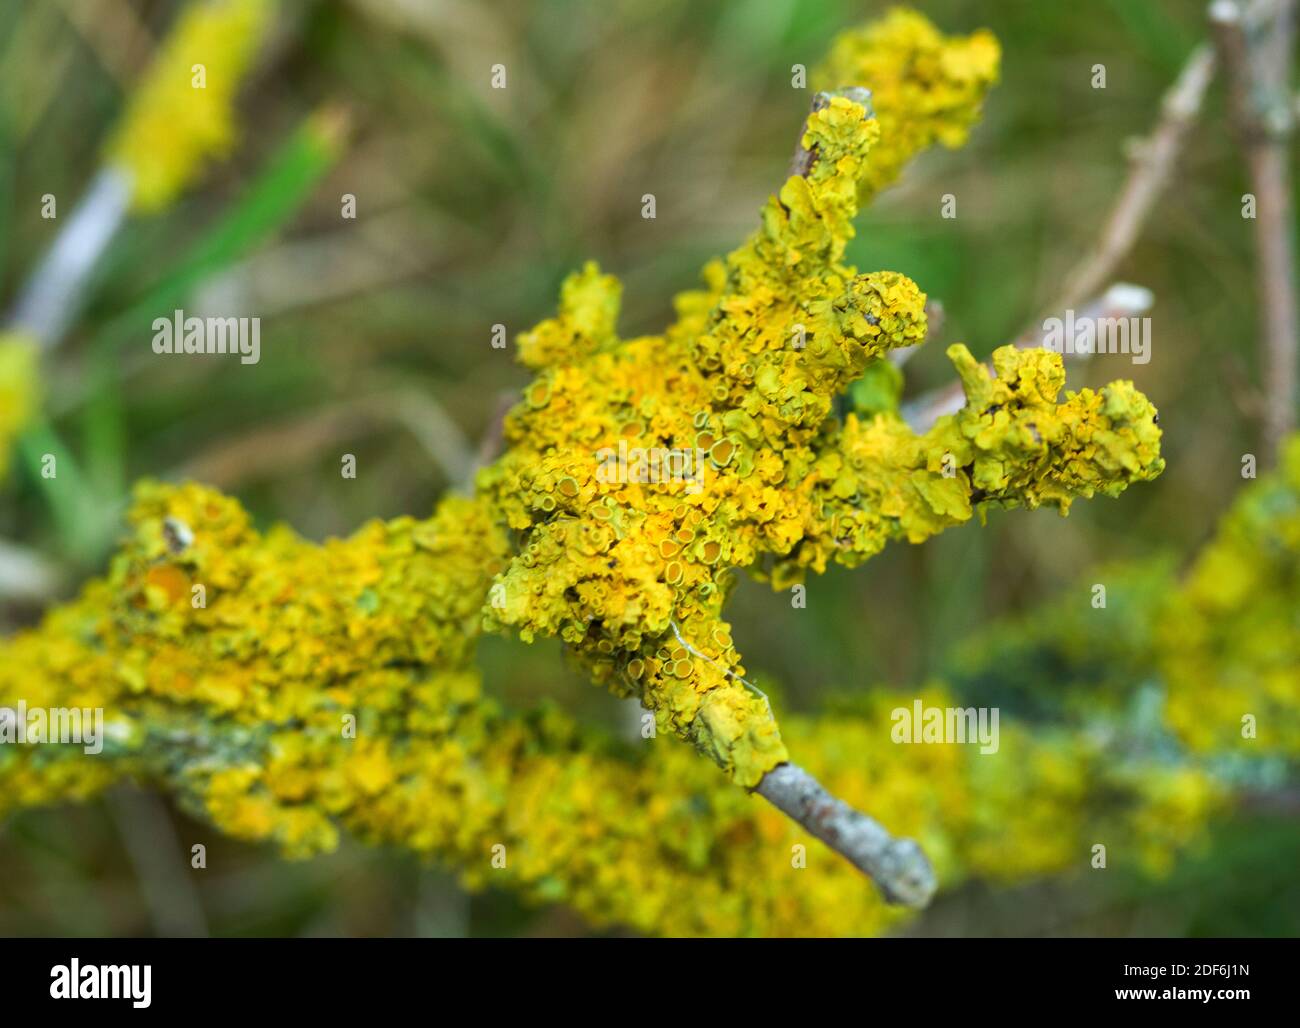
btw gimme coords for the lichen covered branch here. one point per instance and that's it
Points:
(639, 475)
(326, 689)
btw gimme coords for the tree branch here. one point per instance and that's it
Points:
(26, 575)
(1256, 46)
(898, 866)
(1152, 169)
(53, 294)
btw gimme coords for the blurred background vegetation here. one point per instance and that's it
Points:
(473, 204)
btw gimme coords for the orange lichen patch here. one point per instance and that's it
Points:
(167, 585)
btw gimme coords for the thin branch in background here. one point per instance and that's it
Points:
(114, 31)
(267, 451)
(54, 292)
(1255, 46)
(494, 439)
(439, 434)
(26, 575)
(160, 862)
(389, 247)
(1153, 167)
(1152, 170)
(34, 61)
(898, 866)
(441, 909)
(1122, 300)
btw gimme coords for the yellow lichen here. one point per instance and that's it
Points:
(175, 121)
(640, 472)
(19, 390)
(375, 725)
(1229, 639)
(926, 88)
(288, 691)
